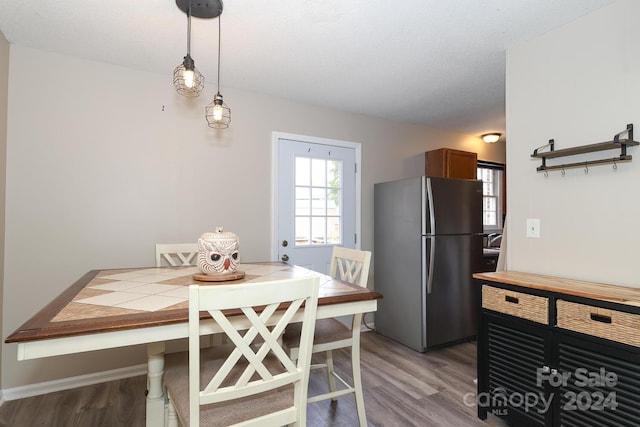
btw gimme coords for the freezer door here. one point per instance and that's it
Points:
(453, 206)
(450, 300)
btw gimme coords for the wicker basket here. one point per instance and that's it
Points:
(608, 324)
(525, 306)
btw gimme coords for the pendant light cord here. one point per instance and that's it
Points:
(219, 33)
(189, 30)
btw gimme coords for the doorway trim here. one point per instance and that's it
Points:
(275, 137)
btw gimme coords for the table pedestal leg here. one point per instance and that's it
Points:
(155, 393)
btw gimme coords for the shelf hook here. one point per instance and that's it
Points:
(562, 173)
(546, 174)
(586, 168)
(615, 165)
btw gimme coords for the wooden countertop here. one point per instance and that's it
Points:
(600, 291)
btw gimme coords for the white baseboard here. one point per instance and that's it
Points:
(71, 382)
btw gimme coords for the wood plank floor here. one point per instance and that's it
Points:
(402, 388)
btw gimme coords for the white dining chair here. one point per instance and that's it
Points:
(176, 254)
(257, 383)
(352, 266)
(183, 255)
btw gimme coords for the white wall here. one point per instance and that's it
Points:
(4, 86)
(103, 162)
(579, 84)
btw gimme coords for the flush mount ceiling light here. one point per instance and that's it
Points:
(490, 138)
(186, 78)
(217, 113)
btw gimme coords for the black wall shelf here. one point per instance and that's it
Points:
(616, 143)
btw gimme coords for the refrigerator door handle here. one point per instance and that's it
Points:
(432, 256)
(432, 215)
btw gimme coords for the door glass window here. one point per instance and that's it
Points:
(318, 201)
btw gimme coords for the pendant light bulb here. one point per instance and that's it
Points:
(217, 113)
(189, 77)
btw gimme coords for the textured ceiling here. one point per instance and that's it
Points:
(440, 63)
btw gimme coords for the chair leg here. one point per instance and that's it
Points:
(357, 385)
(355, 369)
(330, 373)
(172, 417)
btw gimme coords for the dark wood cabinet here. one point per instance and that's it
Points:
(563, 353)
(450, 163)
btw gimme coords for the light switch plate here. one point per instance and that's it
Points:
(533, 228)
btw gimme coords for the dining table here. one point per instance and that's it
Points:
(120, 307)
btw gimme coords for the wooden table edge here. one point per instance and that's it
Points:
(40, 326)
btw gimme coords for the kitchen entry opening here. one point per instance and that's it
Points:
(318, 192)
(492, 175)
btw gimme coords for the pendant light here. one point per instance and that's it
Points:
(217, 113)
(186, 78)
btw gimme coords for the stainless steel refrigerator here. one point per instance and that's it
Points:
(427, 245)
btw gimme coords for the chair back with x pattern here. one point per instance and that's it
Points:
(350, 265)
(258, 363)
(176, 254)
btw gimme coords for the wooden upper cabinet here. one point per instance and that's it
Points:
(450, 163)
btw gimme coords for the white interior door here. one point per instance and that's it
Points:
(317, 203)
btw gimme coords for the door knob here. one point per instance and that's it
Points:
(284, 258)
(285, 243)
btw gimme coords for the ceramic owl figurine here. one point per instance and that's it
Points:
(218, 253)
